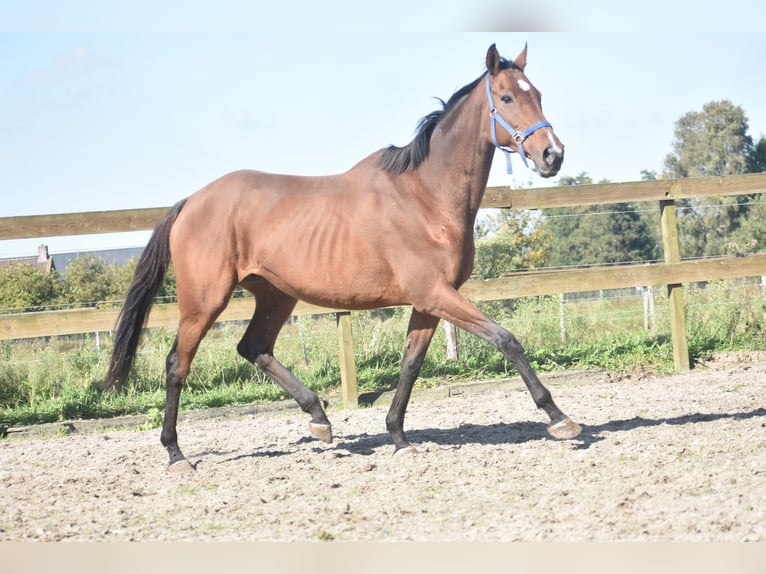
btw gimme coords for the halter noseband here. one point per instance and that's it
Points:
(518, 136)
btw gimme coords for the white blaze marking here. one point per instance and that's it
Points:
(555, 146)
(524, 85)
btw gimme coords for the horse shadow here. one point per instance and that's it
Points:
(495, 434)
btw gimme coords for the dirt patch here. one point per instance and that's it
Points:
(661, 458)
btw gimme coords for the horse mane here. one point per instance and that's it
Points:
(397, 160)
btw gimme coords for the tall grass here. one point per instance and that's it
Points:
(56, 378)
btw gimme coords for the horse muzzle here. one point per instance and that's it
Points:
(550, 160)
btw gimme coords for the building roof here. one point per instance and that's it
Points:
(59, 261)
(118, 257)
(42, 260)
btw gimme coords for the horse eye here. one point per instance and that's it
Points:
(506, 99)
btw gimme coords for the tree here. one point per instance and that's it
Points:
(508, 241)
(751, 234)
(648, 175)
(758, 157)
(27, 288)
(596, 234)
(89, 280)
(713, 142)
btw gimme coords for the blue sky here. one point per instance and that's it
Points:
(100, 109)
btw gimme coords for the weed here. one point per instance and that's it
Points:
(154, 419)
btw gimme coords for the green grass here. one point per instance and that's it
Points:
(48, 380)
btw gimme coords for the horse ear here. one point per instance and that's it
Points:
(521, 59)
(493, 60)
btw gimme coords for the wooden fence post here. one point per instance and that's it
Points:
(348, 389)
(451, 341)
(562, 317)
(650, 316)
(763, 290)
(675, 291)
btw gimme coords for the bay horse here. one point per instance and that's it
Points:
(403, 217)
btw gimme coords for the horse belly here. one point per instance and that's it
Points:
(340, 281)
(323, 261)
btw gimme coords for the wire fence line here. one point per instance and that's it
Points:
(243, 293)
(607, 305)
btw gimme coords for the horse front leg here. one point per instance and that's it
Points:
(310, 403)
(453, 307)
(419, 334)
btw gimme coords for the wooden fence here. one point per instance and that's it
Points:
(672, 273)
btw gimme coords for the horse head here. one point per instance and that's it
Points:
(515, 104)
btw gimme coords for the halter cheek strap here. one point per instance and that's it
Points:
(518, 136)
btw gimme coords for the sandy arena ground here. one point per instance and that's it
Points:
(676, 458)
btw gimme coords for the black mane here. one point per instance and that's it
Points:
(397, 160)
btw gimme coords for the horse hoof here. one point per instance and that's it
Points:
(181, 467)
(564, 429)
(321, 431)
(406, 452)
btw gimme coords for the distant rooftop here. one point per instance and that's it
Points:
(42, 260)
(58, 261)
(119, 257)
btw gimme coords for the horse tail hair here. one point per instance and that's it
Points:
(151, 269)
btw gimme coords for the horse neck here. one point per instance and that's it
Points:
(460, 158)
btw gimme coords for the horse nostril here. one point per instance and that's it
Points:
(550, 156)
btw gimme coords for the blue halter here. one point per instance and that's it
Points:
(518, 137)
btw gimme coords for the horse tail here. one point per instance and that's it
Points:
(151, 269)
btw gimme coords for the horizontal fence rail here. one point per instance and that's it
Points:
(525, 284)
(89, 222)
(606, 193)
(672, 273)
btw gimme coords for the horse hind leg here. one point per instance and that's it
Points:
(177, 366)
(419, 334)
(197, 315)
(272, 309)
(174, 382)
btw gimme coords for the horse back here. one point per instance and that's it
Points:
(319, 239)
